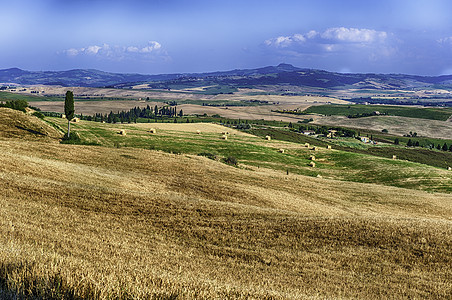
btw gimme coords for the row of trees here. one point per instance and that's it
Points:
(133, 114)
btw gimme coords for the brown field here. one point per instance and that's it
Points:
(100, 223)
(394, 124)
(233, 112)
(190, 127)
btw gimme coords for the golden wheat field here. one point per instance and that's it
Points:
(91, 222)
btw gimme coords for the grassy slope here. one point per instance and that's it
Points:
(255, 152)
(105, 222)
(441, 159)
(441, 114)
(100, 222)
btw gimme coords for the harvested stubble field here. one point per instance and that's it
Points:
(99, 223)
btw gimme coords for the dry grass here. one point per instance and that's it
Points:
(100, 223)
(16, 124)
(188, 127)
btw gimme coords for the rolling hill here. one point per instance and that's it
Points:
(126, 221)
(283, 74)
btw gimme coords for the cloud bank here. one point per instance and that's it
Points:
(329, 37)
(152, 50)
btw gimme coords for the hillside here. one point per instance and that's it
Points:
(17, 124)
(124, 222)
(283, 74)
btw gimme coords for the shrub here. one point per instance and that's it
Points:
(38, 114)
(231, 160)
(208, 155)
(15, 104)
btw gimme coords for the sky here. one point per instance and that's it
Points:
(175, 36)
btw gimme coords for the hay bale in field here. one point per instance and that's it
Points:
(122, 132)
(281, 150)
(198, 131)
(224, 137)
(306, 145)
(328, 147)
(312, 157)
(153, 130)
(268, 138)
(63, 116)
(315, 148)
(312, 164)
(394, 157)
(75, 120)
(449, 168)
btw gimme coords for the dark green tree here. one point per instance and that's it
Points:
(69, 110)
(396, 141)
(410, 143)
(444, 147)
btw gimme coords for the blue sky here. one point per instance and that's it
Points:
(168, 36)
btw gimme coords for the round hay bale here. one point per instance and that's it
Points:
(198, 131)
(75, 120)
(315, 148)
(394, 157)
(153, 130)
(224, 137)
(122, 132)
(268, 138)
(312, 164)
(312, 157)
(306, 145)
(449, 168)
(328, 147)
(63, 116)
(281, 150)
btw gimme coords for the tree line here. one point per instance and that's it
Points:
(132, 115)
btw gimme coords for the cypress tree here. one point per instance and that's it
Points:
(69, 110)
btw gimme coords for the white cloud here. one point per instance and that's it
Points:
(354, 35)
(92, 49)
(330, 37)
(447, 40)
(152, 46)
(71, 52)
(151, 50)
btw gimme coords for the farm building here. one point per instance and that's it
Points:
(309, 132)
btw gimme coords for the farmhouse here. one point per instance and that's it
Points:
(309, 132)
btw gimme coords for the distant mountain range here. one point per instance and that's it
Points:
(283, 74)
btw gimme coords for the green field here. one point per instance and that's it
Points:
(440, 114)
(347, 164)
(441, 159)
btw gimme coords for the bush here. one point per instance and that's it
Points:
(208, 155)
(231, 160)
(15, 104)
(38, 114)
(75, 139)
(72, 139)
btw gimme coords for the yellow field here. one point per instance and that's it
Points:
(100, 223)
